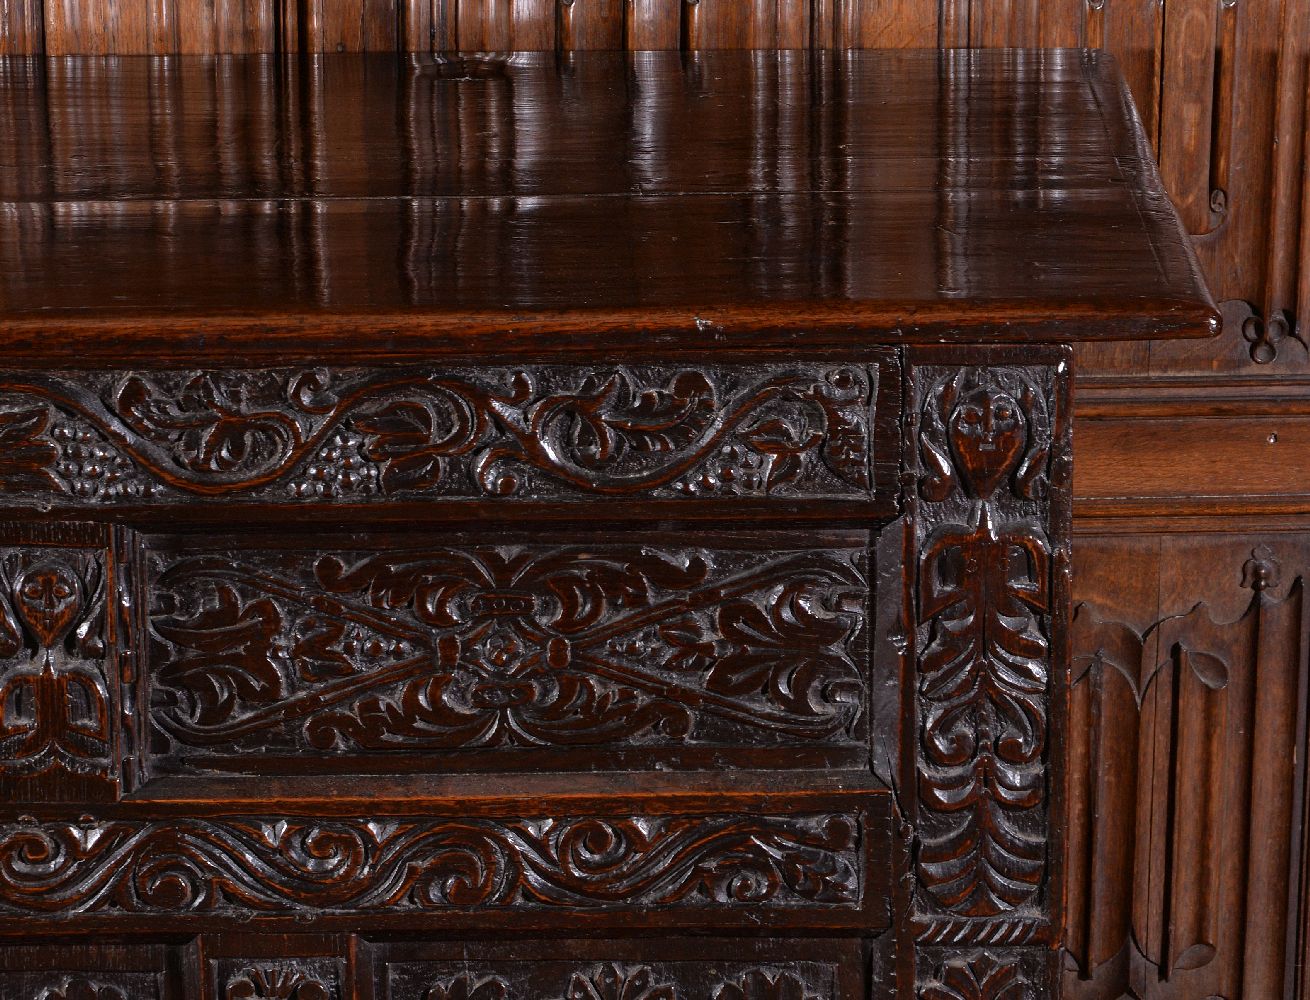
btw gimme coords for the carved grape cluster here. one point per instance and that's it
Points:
(339, 468)
(94, 470)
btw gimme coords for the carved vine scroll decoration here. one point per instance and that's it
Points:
(984, 598)
(288, 866)
(54, 697)
(321, 434)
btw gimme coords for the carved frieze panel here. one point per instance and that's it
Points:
(353, 435)
(737, 864)
(59, 690)
(588, 644)
(990, 495)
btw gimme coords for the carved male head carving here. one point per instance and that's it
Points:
(48, 599)
(987, 434)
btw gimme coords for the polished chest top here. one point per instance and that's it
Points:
(472, 524)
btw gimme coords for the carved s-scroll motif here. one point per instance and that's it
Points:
(518, 645)
(348, 434)
(55, 703)
(289, 866)
(984, 600)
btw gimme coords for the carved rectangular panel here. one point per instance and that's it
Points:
(378, 871)
(316, 435)
(990, 549)
(62, 633)
(496, 650)
(713, 969)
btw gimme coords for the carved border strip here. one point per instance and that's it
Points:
(247, 866)
(528, 432)
(989, 487)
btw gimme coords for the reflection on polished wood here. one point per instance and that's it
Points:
(746, 197)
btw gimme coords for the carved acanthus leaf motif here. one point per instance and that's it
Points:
(765, 984)
(541, 432)
(276, 982)
(618, 982)
(290, 866)
(469, 987)
(978, 977)
(79, 988)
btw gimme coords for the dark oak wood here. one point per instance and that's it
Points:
(820, 240)
(464, 538)
(1178, 433)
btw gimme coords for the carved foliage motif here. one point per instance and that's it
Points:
(977, 976)
(290, 866)
(54, 697)
(515, 645)
(618, 981)
(284, 981)
(984, 581)
(459, 432)
(81, 988)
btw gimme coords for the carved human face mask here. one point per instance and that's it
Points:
(48, 598)
(987, 434)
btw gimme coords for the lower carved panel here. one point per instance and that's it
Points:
(728, 867)
(711, 969)
(90, 972)
(990, 974)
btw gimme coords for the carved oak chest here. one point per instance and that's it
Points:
(529, 527)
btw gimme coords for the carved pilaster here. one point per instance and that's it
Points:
(60, 705)
(989, 491)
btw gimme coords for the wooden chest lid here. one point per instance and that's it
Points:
(383, 207)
